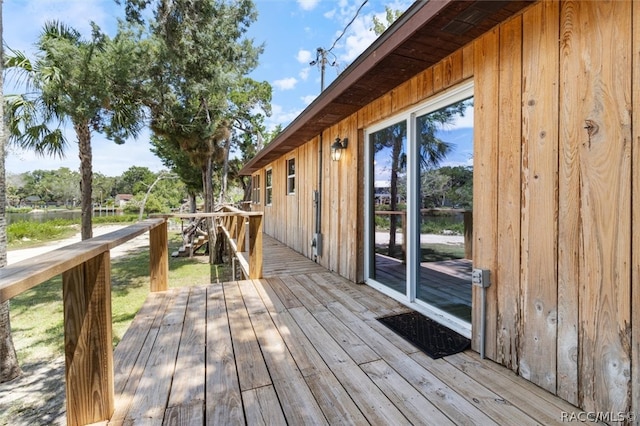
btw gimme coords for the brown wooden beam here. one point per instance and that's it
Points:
(88, 341)
(159, 258)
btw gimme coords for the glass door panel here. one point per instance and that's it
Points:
(388, 206)
(445, 147)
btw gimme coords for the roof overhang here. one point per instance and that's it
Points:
(426, 33)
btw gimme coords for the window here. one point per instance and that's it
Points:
(291, 176)
(268, 187)
(255, 189)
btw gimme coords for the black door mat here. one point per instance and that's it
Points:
(431, 337)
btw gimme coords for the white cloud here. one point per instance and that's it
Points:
(286, 83)
(355, 45)
(359, 35)
(77, 14)
(466, 120)
(109, 158)
(24, 20)
(304, 73)
(308, 4)
(279, 116)
(304, 56)
(308, 99)
(358, 39)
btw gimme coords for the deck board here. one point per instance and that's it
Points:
(223, 397)
(302, 347)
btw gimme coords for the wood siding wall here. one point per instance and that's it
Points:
(553, 193)
(556, 173)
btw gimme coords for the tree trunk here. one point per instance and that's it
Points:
(247, 188)
(146, 195)
(225, 171)
(192, 203)
(86, 172)
(207, 183)
(9, 367)
(393, 192)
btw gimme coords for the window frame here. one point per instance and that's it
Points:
(255, 189)
(291, 177)
(268, 187)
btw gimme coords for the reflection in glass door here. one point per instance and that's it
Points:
(445, 201)
(388, 206)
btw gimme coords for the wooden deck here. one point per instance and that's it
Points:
(302, 346)
(445, 284)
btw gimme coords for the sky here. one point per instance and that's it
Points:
(290, 30)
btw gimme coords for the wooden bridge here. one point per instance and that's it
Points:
(295, 344)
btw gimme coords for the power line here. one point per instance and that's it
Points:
(347, 26)
(321, 53)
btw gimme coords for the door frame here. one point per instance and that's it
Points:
(434, 103)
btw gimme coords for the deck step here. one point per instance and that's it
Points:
(185, 249)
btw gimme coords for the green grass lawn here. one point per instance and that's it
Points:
(37, 318)
(432, 252)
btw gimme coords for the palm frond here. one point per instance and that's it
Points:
(43, 140)
(29, 129)
(19, 68)
(56, 30)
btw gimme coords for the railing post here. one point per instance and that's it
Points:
(159, 258)
(234, 227)
(403, 216)
(468, 234)
(242, 233)
(255, 247)
(86, 291)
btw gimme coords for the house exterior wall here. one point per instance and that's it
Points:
(552, 198)
(556, 178)
(290, 217)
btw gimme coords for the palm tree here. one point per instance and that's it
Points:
(432, 150)
(91, 85)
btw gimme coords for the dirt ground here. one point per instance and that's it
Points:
(38, 396)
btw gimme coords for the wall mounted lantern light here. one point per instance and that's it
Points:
(337, 147)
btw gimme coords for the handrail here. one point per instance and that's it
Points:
(86, 290)
(24, 275)
(467, 220)
(245, 241)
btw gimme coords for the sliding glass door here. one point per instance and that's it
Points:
(444, 147)
(420, 177)
(388, 206)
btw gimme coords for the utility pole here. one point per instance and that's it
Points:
(321, 59)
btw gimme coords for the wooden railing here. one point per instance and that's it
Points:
(86, 281)
(467, 218)
(243, 231)
(86, 290)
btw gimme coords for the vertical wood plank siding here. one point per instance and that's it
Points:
(539, 195)
(596, 108)
(556, 179)
(509, 163)
(485, 182)
(569, 226)
(635, 211)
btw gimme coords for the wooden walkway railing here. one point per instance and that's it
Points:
(467, 218)
(86, 280)
(243, 231)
